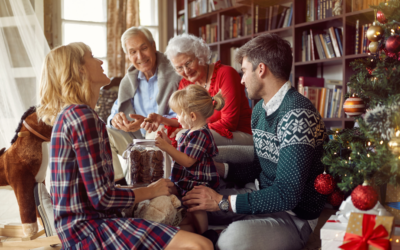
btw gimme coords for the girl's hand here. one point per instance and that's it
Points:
(161, 187)
(163, 135)
(161, 143)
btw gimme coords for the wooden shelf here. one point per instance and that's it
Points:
(356, 56)
(236, 40)
(329, 19)
(316, 68)
(330, 61)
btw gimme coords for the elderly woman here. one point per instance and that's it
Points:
(190, 57)
(87, 204)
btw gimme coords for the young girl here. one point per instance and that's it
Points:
(193, 159)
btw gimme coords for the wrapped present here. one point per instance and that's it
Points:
(392, 200)
(347, 207)
(368, 231)
(332, 234)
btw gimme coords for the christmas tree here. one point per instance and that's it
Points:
(370, 152)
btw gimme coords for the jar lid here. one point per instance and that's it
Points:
(144, 142)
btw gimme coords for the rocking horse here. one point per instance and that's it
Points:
(21, 163)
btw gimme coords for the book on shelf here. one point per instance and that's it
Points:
(356, 48)
(214, 56)
(335, 42)
(324, 47)
(256, 9)
(304, 46)
(181, 25)
(329, 46)
(234, 64)
(357, 5)
(281, 16)
(307, 81)
(320, 49)
(338, 33)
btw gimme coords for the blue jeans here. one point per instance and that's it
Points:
(272, 231)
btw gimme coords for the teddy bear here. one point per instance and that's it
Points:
(163, 209)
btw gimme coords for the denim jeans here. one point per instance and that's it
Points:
(272, 231)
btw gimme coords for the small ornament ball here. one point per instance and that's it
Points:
(375, 33)
(336, 198)
(380, 16)
(364, 197)
(324, 183)
(373, 47)
(393, 44)
(354, 106)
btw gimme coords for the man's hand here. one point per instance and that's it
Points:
(202, 198)
(153, 125)
(121, 122)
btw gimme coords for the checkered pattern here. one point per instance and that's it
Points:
(200, 145)
(87, 206)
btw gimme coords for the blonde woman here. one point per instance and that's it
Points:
(87, 205)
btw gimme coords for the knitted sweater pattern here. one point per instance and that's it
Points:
(288, 149)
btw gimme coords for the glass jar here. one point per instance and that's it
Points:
(145, 162)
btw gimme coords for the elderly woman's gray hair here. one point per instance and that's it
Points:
(189, 45)
(135, 31)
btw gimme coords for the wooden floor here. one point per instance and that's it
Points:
(9, 212)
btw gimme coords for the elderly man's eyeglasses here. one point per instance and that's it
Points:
(187, 65)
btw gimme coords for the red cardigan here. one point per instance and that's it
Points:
(236, 114)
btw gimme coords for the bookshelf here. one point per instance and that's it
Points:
(346, 21)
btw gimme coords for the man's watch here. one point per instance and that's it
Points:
(224, 204)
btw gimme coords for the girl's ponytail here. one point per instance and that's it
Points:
(219, 101)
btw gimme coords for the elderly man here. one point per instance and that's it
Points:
(145, 89)
(281, 208)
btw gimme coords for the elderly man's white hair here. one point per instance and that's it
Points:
(135, 31)
(189, 45)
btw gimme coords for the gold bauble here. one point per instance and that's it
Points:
(373, 47)
(374, 33)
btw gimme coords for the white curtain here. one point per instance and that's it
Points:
(23, 48)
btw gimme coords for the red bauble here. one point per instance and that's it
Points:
(393, 44)
(336, 198)
(324, 183)
(364, 197)
(381, 17)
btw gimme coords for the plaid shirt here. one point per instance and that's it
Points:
(200, 145)
(87, 206)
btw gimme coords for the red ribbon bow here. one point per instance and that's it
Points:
(370, 236)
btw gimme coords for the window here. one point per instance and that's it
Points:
(148, 10)
(86, 21)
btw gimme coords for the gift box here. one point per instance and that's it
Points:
(368, 231)
(392, 197)
(332, 235)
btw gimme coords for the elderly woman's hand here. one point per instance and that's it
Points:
(121, 122)
(152, 122)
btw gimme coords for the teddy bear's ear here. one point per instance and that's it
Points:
(175, 201)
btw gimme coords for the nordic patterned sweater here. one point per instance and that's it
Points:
(288, 149)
